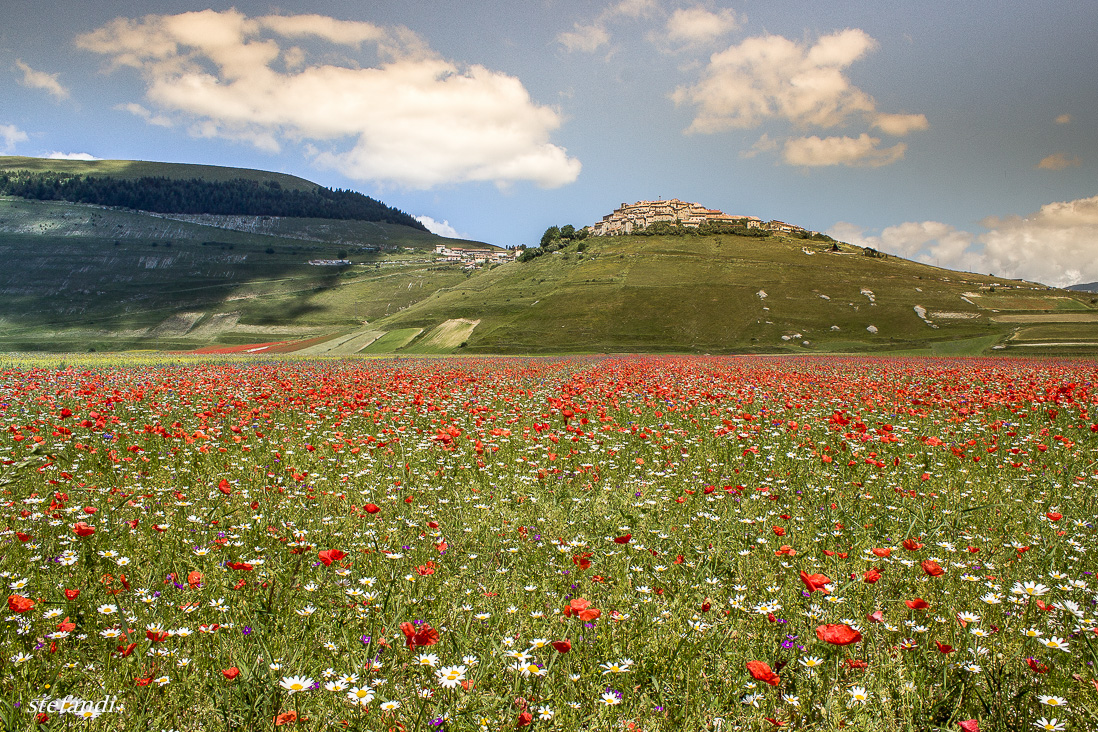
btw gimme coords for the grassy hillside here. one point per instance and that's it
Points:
(79, 277)
(736, 294)
(141, 169)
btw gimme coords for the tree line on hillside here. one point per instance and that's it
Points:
(238, 197)
(559, 237)
(554, 239)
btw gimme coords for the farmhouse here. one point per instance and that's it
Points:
(475, 257)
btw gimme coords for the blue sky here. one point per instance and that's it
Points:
(961, 134)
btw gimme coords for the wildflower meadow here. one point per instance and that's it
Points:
(664, 543)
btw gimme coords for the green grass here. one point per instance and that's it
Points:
(700, 295)
(393, 341)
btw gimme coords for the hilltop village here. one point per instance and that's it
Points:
(632, 217)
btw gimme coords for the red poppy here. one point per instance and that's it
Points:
(524, 719)
(762, 672)
(285, 718)
(875, 617)
(1054, 516)
(912, 545)
(371, 508)
(330, 555)
(82, 529)
(969, 725)
(194, 580)
(944, 647)
(143, 682)
(623, 539)
(562, 646)
(230, 673)
(917, 604)
(779, 531)
(224, 487)
(425, 636)
(583, 561)
(72, 594)
(1038, 668)
(932, 568)
(20, 604)
(871, 576)
(582, 609)
(839, 634)
(815, 582)
(124, 651)
(157, 636)
(882, 553)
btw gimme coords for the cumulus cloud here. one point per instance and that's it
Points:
(57, 155)
(1058, 161)
(767, 78)
(442, 228)
(1054, 245)
(10, 136)
(697, 26)
(41, 80)
(773, 77)
(861, 151)
(404, 115)
(589, 37)
(899, 125)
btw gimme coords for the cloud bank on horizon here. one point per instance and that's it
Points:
(257, 80)
(1054, 246)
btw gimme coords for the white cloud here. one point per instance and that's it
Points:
(410, 118)
(10, 135)
(442, 228)
(861, 151)
(589, 37)
(767, 78)
(899, 125)
(1058, 161)
(41, 80)
(697, 26)
(145, 114)
(1064, 119)
(773, 77)
(56, 155)
(1054, 245)
(586, 38)
(762, 145)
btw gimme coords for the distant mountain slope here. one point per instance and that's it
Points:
(131, 169)
(1084, 287)
(226, 196)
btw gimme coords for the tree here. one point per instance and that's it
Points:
(567, 232)
(551, 234)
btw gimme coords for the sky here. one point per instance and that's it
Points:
(963, 135)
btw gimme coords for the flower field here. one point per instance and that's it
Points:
(573, 544)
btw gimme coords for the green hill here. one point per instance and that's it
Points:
(79, 276)
(133, 169)
(721, 294)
